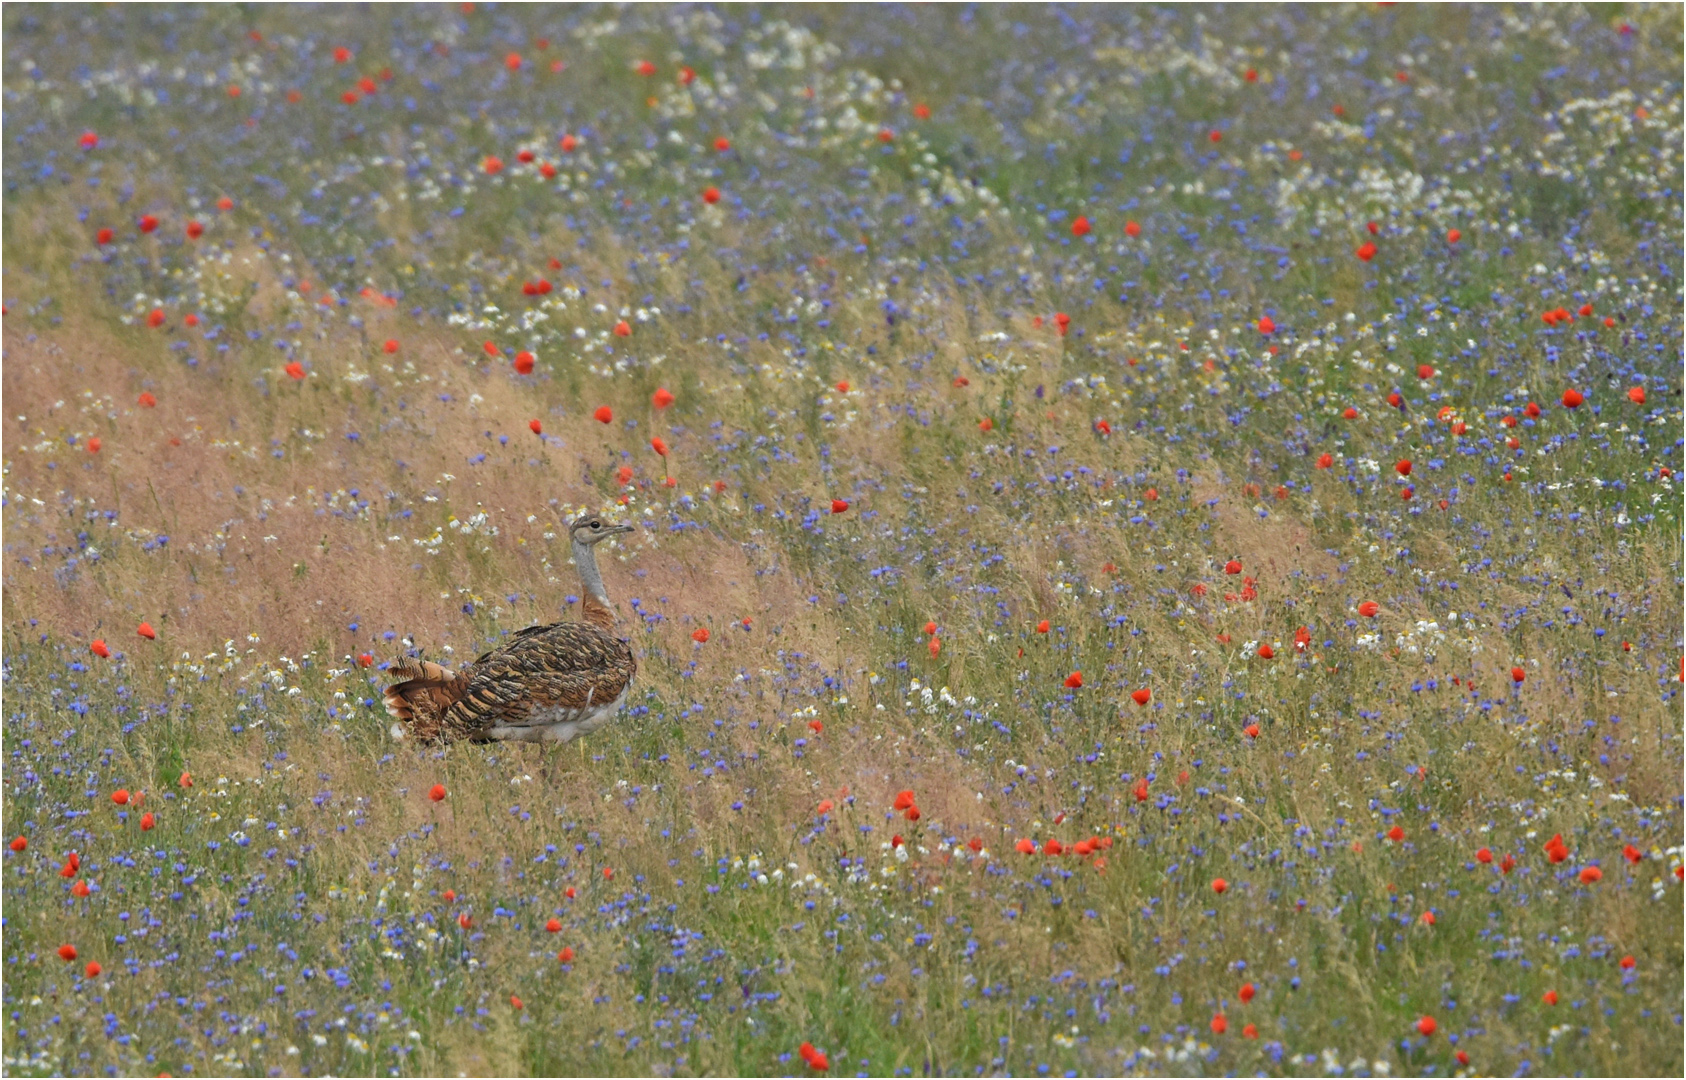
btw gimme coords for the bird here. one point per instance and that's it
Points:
(548, 684)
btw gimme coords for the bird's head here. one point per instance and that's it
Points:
(591, 529)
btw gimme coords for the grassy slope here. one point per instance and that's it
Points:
(306, 855)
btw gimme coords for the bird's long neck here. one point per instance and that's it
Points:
(594, 607)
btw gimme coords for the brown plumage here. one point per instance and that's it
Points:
(548, 684)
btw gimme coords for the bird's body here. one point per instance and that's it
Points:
(549, 684)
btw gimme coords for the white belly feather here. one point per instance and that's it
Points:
(554, 723)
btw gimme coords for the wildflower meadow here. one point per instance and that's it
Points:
(1158, 549)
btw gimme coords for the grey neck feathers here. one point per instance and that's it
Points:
(585, 561)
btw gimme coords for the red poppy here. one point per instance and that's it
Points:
(515, 1002)
(686, 76)
(94, 445)
(547, 170)
(622, 329)
(623, 475)
(1366, 251)
(568, 892)
(147, 821)
(1517, 674)
(80, 890)
(1425, 371)
(1025, 847)
(1591, 875)
(1636, 394)
(155, 318)
(1426, 1026)
(436, 793)
(365, 660)
(722, 144)
(700, 634)
(568, 142)
(1628, 962)
(1462, 1055)
(72, 863)
(1219, 885)
(146, 631)
(1453, 236)
(97, 647)
(1074, 681)
(18, 844)
(1080, 227)
(711, 195)
(493, 165)
(195, 230)
(465, 920)
(67, 953)
(1042, 627)
(294, 370)
(646, 68)
(1572, 399)
(1396, 834)
(1247, 992)
(148, 223)
(885, 135)
(566, 955)
(1215, 136)
(1266, 325)
(524, 362)
(1103, 427)
(1251, 731)
(986, 424)
(1630, 853)
(1549, 997)
(536, 427)
(838, 506)
(103, 236)
(658, 446)
(1142, 696)
(662, 398)
(608, 873)
(185, 780)
(1266, 652)
(1132, 229)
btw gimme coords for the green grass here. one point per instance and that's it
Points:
(294, 897)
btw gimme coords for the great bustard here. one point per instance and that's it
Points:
(548, 684)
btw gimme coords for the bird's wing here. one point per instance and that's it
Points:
(519, 635)
(544, 675)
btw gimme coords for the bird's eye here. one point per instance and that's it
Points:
(597, 524)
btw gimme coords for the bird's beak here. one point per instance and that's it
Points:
(625, 528)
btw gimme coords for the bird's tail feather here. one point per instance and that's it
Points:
(420, 700)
